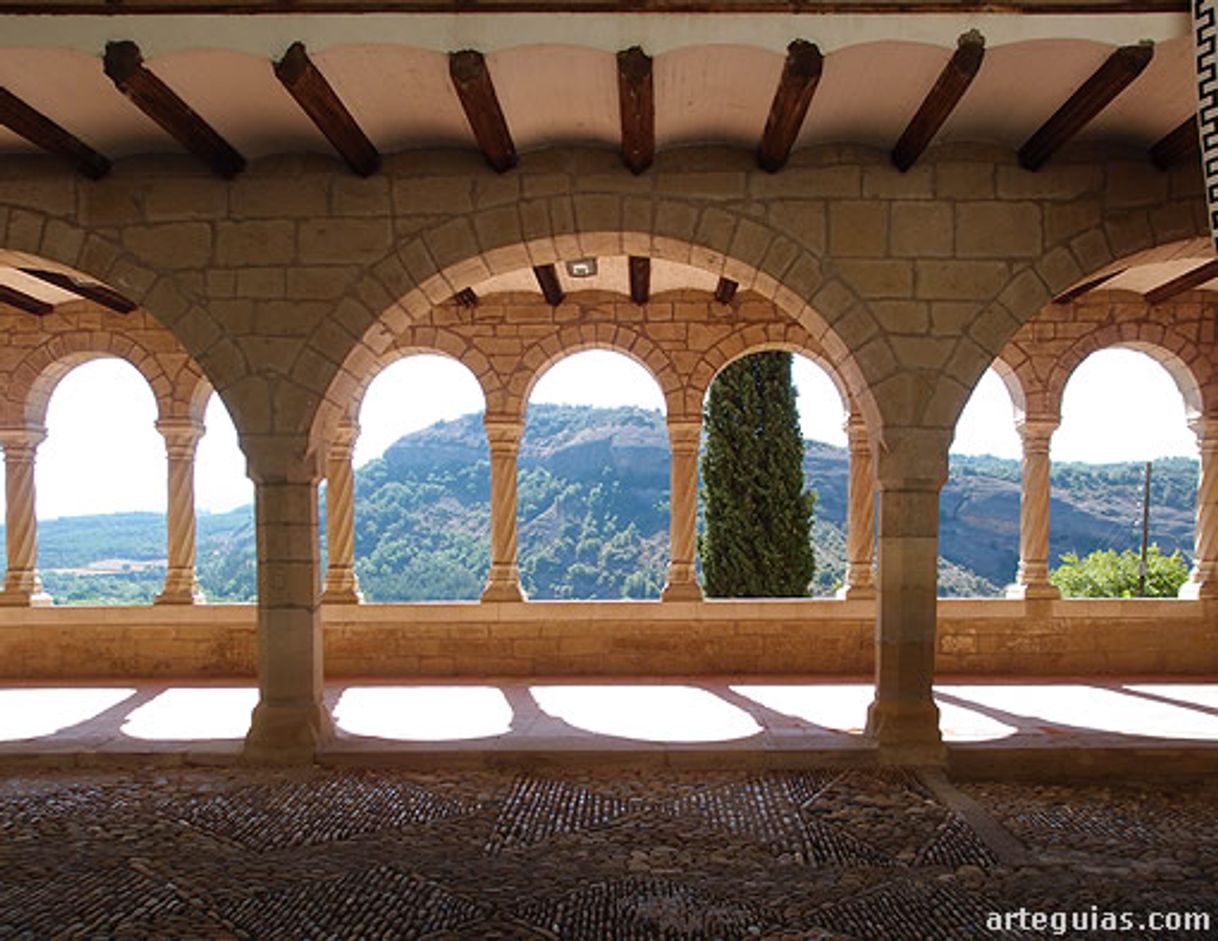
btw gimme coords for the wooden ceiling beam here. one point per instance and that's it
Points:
(472, 81)
(1177, 145)
(1093, 96)
(1185, 282)
(45, 134)
(317, 99)
(547, 280)
(640, 279)
(24, 302)
(466, 297)
(124, 65)
(1082, 288)
(725, 290)
(636, 101)
(800, 74)
(942, 99)
(89, 290)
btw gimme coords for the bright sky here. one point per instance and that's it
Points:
(103, 455)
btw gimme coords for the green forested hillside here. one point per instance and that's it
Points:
(593, 496)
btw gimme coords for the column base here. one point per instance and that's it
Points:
(503, 591)
(341, 596)
(1044, 591)
(25, 599)
(906, 733)
(287, 734)
(682, 591)
(856, 593)
(178, 596)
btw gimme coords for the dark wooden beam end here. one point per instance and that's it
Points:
(1185, 282)
(547, 280)
(800, 74)
(466, 298)
(1093, 96)
(305, 83)
(472, 80)
(640, 279)
(1177, 145)
(124, 65)
(89, 290)
(725, 290)
(636, 101)
(24, 302)
(942, 99)
(44, 133)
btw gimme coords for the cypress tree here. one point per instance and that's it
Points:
(757, 538)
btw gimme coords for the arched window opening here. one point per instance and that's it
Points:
(422, 484)
(979, 505)
(101, 492)
(593, 485)
(1122, 408)
(824, 460)
(224, 497)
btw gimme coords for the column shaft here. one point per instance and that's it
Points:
(290, 719)
(342, 584)
(903, 719)
(22, 586)
(860, 515)
(1032, 580)
(684, 436)
(181, 578)
(1203, 580)
(503, 582)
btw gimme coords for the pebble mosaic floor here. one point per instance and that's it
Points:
(313, 853)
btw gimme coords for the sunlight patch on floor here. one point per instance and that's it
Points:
(1091, 708)
(189, 714)
(647, 713)
(840, 707)
(424, 713)
(35, 713)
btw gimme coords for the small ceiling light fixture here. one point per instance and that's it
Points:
(582, 268)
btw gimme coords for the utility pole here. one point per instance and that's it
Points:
(1145, 532)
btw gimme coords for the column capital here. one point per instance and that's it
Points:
(684, 433)
(1036, 427)
(1205, 427)
(14, 440)
(857, 435)
(343, 440)
(502, 433)
(180, 434)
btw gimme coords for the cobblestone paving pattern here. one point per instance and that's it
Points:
(323, 854)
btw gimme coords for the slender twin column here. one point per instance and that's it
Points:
(181, 581)
(503, 582)
(1203, 581)
(684, 436)
(1032, 581)
(860, 514)
(342, 585)
(903, 718)
(22, 586)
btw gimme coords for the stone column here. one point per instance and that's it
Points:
(1203, 581)
(1033, 579)
(290, 720)
(342, 585)
(22, 586)
(503, 582)
(903, 718)
(860, 515)
(181, 580)
(684, 436)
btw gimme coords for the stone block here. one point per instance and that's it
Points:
(255, 243)
(998, 230)
(922, 230)
(875, 279)
(335, 241)
(959, 280)
(858, 229)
